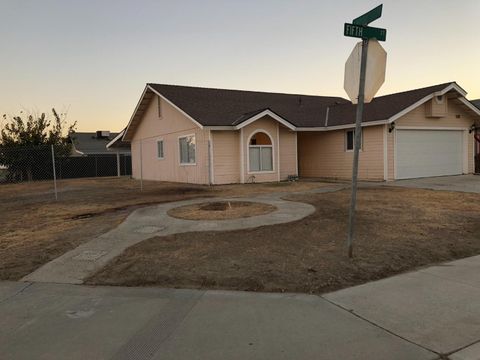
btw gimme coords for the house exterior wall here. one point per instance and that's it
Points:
(169, 127)
(323, 154)
(288, 153)
(454, 117)
(229, 148)
(435, 108)
(320, 154)
(226, 156)
(391, 154)
(271, 127)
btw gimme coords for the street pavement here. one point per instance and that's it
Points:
(63, 321)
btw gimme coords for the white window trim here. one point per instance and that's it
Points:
(180, 154)
(346, 143)
(248, 153)
(163, 149)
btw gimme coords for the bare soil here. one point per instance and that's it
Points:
(221, 210)
(34, 228)
(397, 230)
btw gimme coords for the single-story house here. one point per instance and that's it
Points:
(217, 136)
(101, 142)
(99, 153)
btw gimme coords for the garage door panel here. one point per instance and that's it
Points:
(423, 153)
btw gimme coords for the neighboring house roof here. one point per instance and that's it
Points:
(89, 143)
(476, 103)
(236, 108)
(117, 142)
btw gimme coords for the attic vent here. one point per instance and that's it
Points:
(439, 99)
(102, 134)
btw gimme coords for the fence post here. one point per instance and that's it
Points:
(118, 164)
(54, 174)
(141, 165)
(96, 170)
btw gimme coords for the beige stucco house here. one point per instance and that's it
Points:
(217, 136)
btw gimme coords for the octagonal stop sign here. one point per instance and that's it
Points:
(375, 72)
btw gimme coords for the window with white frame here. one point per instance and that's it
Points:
(160, 153)
(187, 149)
(350, 140)
(260, 153)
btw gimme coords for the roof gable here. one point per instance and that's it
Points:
(229, 109)
(220, 107)
(384, 107)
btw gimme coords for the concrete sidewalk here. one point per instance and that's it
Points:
(57, 321)
(432, 313)
(437, 308)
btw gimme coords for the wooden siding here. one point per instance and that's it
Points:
(288, 153)
(391, 155)
(322, 154)
(226, 156)
(435, 109)
(169, 127)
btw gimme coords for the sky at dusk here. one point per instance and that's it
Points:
(92, 58)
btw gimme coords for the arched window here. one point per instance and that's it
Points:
(260, 152)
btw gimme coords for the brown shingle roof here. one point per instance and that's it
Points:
(220, 107)
(382, 107)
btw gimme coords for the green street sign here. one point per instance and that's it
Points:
(368, 17)
(364, 32)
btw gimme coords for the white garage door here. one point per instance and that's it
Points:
(422, 153)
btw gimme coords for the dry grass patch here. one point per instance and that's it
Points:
(397, 230)
(34, 228)
(221, 210)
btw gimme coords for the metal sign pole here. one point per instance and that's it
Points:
(357, 143)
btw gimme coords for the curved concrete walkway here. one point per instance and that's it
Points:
(76, 265)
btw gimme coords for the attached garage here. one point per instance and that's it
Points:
(424, 153)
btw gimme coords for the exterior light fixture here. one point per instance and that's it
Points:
(391, 127)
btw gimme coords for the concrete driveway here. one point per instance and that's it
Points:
(463, 183)
(437, 308)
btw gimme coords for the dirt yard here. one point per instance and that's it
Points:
(398, 230)
(221, 210)
(34, 228)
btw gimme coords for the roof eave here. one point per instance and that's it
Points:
(116, 138)
(266, 112)
(176, 107)
(451, 86)
(126, 136)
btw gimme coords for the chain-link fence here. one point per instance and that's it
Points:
(54, 163)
